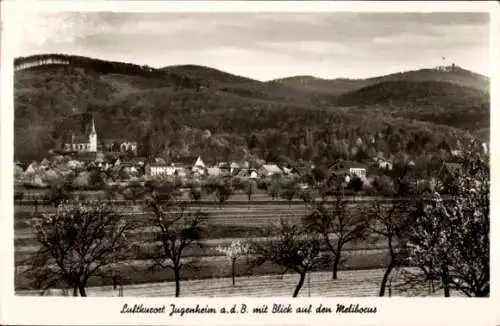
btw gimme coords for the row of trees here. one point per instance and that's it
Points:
(447, 240)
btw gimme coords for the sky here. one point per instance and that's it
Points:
(266, 46)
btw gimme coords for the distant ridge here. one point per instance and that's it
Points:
(452, 74)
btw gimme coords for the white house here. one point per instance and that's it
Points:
(199, 166)
(233, 167)
(214, 171)
(358, 171)
(156, 170)
(253, 174)
(383, 164)
(270, 169)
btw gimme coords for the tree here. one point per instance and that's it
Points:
(274, 189)
(250, 189)
(223, 191)
(210, 185)
(291, 247)
(289, 190)
(195, 193)
(233, 252)
(450, 239)
(355, 184)
(392, 223)
(307, 195)
(133, 193)
(78, 241)
(163, 189)
(337, 226)
(175, 230)
(384, 186)
(59, 193)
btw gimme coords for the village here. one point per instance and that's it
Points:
(94, 171)
(84, 163)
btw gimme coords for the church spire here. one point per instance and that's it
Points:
(93, 127)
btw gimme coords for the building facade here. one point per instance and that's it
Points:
(83, 143)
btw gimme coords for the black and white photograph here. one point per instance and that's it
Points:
(251, 154)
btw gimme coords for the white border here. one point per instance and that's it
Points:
(73, 311)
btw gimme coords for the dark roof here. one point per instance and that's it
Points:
(346, 165)
(77, 139)
(109, 141)
(341, 171)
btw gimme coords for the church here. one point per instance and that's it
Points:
(83, 143)
(88, 143)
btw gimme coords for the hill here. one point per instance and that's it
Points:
(435, 101)
(328, 86)
(189, 110)
(455, 75)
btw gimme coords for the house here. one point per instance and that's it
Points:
(32, 168)
(118, 146)
(159, 170)
(180, 171)
(199, 167)
(253, 174)
(21, 165)
(233, 167)
(44, 164)
(247, 173)
(225, 168)
(384, 164)
(74, 164)
(268, 170)
(214, 171)
(349, 169)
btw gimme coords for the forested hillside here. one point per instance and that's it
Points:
(455, 75)
(434, 101)
(191, 110)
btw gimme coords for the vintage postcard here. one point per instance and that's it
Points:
(251, 163)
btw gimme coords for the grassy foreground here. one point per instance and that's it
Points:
(356, 283)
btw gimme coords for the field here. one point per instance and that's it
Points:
(222, 226)
(358, 283)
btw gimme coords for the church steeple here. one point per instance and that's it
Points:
(93, 138)
(93, 132)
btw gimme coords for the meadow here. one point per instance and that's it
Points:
(233, 221)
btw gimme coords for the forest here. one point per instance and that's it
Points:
(186, 111)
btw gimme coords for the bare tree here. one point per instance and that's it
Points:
(392, 222)
(175, 229)
(233, 252)
(291, 247)
(274, 189)
(250, 189)
(78, 241)
(337, 227)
